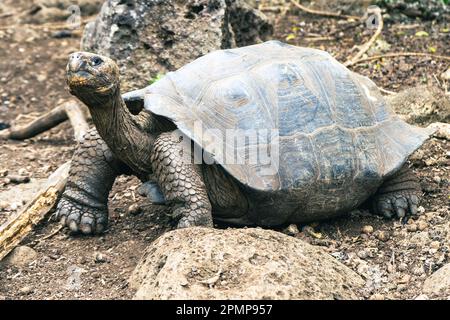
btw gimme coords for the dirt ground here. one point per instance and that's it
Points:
(395, 259)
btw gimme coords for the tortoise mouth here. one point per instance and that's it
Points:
(80, 78)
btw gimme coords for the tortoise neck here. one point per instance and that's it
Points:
(127, 135)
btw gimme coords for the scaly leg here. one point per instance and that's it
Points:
(84, 203)
(181, 182)
(398, 196)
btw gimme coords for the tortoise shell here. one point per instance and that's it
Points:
(326, 124)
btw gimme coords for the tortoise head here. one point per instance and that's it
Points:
(92, 78)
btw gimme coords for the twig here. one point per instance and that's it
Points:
(6, 15)
(368, 44)
(49, 26)
(323, 13)
(400, 54)
(313, 39)
(53, 233)
(386, 91)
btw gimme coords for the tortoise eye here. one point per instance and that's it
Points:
(96, 61)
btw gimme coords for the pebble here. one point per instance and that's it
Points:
(382, 236)
(134, 209)
(3, 205)
(17, 179)
(25, 290)
(437, 179)
(23, 172)
(435, 245)
(21, 256)
(291, 230)
(100, 257)
(363, 254)
(422, 225)
(411, 227)
(367, 229)
(418, 271)
(377, 296)
(402, 267)
(422, 297)
(405, 279)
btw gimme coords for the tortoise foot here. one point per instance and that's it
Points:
(81, 219)
(193, 218)
(397, 205)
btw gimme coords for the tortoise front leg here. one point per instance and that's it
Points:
(181, 182)
(84, 203)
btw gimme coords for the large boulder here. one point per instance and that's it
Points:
(150, 38)
(422, 105)
(438, 284)
(203, 263)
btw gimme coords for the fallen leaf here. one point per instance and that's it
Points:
(290, 36)
(422, 34)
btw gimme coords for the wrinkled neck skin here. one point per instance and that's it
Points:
(128, 136)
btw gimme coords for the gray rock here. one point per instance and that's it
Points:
(438, 284)
(203, 263)
(421, 105)
(442, 130)
(20, 256)
(150, 38)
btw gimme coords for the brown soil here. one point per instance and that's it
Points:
(32, 68)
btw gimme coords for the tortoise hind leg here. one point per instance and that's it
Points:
(398, 196)
(181, 182)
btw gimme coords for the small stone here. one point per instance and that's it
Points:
(3, 205)
(435, 245)
(25, 290)
(418, 271)
(184, 283)
(411, 227)
(367, 229)
(402, 267)
(377, 296)
(363, 254)
(422, 297)
(405, 279)
(446, 75)
(21, 256)
(422, 225)
(23, 172)
(14, 206)
(291, 230)
(100, 257)
(17, 179)
(134, 209)
(382, 236)
(437, 179)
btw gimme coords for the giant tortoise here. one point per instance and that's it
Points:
(284, 135)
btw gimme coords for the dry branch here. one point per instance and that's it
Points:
(401, 54)
(323, 13)
(377, 12)
(72, 110)
(44, 26)
(41, 124)
(18, 227)
(77, 114)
